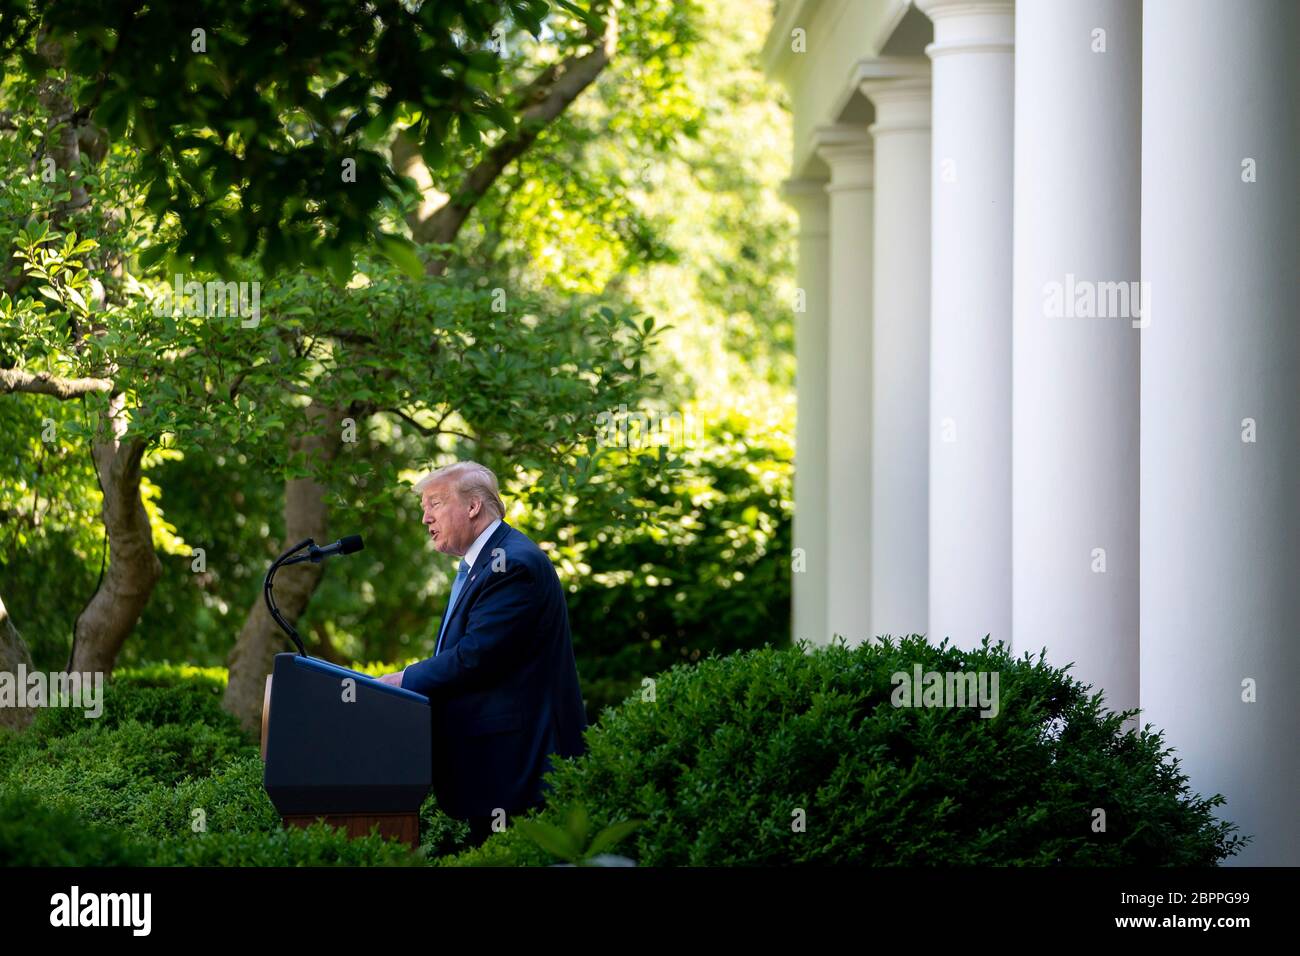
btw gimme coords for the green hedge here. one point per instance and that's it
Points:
(164, 777)
(716, 768)
(730, 750)
(157, 729)
(32, 833)
(35, 834)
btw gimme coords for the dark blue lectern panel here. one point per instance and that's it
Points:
(326, 753)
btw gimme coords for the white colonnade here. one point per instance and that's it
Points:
(1220, 463)
(970, 320)
(1075, 363)
(810, 464)
(900, 360)
(848, 153)
(1049, 370)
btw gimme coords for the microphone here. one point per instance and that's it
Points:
(347, 545)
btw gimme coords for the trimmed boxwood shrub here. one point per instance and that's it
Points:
(155, 695)
(732, 751)
(34, 834)
(317, 845)
(105, 773)
(123, 788)
(232, 800)
(441, 835)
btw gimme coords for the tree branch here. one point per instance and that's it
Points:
(43, 383)
(545, 98)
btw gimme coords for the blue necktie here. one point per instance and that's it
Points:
(451, 603)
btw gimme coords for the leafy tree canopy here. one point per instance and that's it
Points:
(247, 115)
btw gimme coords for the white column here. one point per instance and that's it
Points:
(1075, 342)
(1221, 406)
(808, 576)
(847, 150)
(970, 328)
(900, 372)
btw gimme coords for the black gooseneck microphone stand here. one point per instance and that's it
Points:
(276, 616)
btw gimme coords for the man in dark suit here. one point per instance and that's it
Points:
(503, 682)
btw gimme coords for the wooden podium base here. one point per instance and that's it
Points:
(393, 826)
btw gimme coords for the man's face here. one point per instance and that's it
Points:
(449, 518)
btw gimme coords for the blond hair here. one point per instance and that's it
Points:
(470, 480)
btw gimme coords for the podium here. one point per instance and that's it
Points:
(346, 748)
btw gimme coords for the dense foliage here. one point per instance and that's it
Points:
(164, 777)
(544, 321)
(710, 764)
(722, 761)
(617, 256)
(705, 566)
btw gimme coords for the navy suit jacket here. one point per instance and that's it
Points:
(504, 688)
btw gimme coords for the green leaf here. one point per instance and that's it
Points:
(577, 823)
(150, 256)
(611, 836)
(359, 119)
(403, 255)
(550, 838)
(469, 134)
(113, 114)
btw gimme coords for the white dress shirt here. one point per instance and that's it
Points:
(472, 554)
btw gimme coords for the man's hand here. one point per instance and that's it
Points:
(394, 679)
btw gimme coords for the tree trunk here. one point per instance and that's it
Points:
(133, 567)
(65, 146)
(305, 516)
(13, 651)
